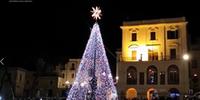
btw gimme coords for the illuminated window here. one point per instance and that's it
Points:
(172, 34)
(152, 55)
(134, 54)
(153, 36)
(172, 53)
(152, 75)
(134, 36)
(162, 78)
(173, 74)
(141, 77)
(131, 75)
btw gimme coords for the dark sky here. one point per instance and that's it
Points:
(56, 30)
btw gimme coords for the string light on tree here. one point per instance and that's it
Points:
(94, 80)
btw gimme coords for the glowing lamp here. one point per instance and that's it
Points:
(185, 56)
(66, 82)
(117, 77)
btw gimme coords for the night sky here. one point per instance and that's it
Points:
(57, 30)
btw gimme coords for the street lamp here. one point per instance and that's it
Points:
(116, 79)
(67, 82)
(186, 57)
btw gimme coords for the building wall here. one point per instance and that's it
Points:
(72, 67)
(161, 45)
(162, 66)
(18, 79)
(144, 43)
(28, 87)
(195, 70)
(48, 86)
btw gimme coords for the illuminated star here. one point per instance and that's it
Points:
(96, 13)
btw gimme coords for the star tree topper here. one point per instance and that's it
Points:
(96, 13)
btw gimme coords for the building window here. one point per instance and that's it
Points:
(27, 82)
(194, 63)
(152, 55)
(73, 67)
(62, 67)
(172, 53)
(73, 75)
(141, 78)
(162, 77)
(153, 36)
(173, 74)
(134, 36)
(172, 34)
(134, 53)
(20, 77)
(51, 82)
(152, 75)
(9, 76)
(63, 75)
(131, 75)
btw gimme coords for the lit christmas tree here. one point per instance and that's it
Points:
(94, 80)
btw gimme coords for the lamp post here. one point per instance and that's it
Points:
(116, 79)
(67, 87)
(186, 57)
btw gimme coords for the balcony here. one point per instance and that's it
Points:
(155, 58)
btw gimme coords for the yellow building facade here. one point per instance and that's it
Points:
(150, 64)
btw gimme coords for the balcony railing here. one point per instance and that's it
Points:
(157, 58)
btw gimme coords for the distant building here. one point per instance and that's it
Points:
(55, 82)
(150, 64)
(195, 67)
(18, 79)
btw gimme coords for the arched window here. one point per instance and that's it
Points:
(73, 67)
(173, 74)
(131, 75)
(152, 75)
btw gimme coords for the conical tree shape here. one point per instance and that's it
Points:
(94, 79)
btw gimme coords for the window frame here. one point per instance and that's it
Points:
(131, 81)
(134, 36)
(152, 37)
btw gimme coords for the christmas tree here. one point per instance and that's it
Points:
(94, 80)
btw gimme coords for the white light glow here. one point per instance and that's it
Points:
(104, 74)
(66, 82)
(83, 84)
(185, 56)
(117, 77)
(96, 13)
